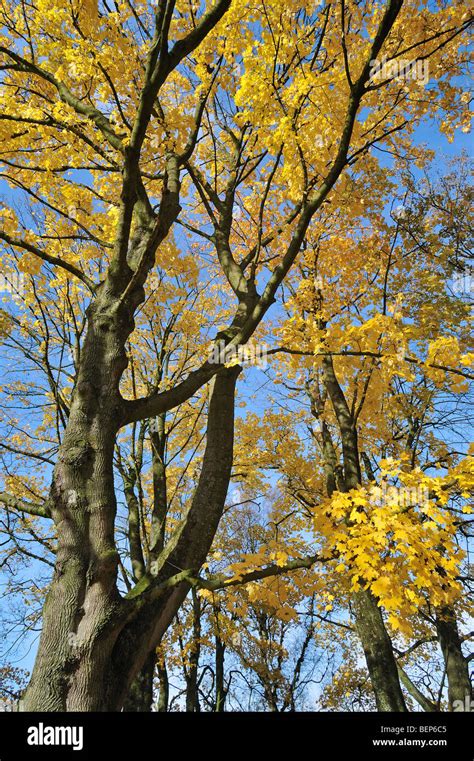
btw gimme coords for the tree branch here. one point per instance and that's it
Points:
(42, 511)
(54, 260)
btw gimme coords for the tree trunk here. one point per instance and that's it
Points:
(376, 643)
(192, 694)
(93, 641)
(187, 549)
(426, 704)
(83, 606)
(164, 693)
(221, 692)
(456, 665)
(140, 695)
(160, 496)
(379, 656)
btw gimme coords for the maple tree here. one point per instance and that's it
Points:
(168, 164)
(374, 404)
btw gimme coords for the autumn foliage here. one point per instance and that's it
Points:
(187, 187)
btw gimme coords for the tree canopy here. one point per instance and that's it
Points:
(191, 189)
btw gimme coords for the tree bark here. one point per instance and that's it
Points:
(163, 695)
(456, 665)
(82, 606)
(93, 641)
(221, 692)
(140, 695)
(426, 704)
(191, 672)
(160, 495)
(379, 656)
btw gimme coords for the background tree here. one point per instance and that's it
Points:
(382, 414)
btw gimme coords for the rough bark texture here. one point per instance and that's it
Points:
(82, 605)
(456, 665)
(140, 696)
(94, 642)
(378, 652)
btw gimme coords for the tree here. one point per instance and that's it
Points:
(377, 384)
(120, 128)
